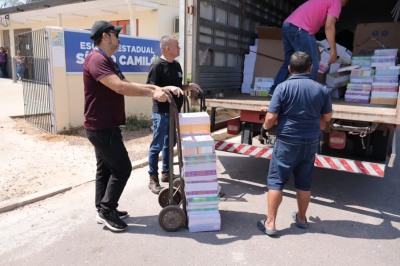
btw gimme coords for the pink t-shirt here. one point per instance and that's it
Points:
(311, 15)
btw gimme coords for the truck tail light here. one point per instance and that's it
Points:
(233, 126)
(337, 140)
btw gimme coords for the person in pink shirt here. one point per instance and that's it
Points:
(299, 29)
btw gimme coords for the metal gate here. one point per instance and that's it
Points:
(37, 91)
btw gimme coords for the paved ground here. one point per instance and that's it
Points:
(354, 220)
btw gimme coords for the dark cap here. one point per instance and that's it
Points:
(101, 26)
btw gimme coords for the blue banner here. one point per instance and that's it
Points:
(134, 55)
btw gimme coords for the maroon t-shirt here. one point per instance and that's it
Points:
(104, 108)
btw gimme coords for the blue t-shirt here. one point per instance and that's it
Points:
(299, 103)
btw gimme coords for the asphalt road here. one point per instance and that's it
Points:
(354, 219)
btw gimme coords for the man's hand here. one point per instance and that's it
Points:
(174, 90)
(333, 58)
(264, 132)
(195, 87)
(161, 96)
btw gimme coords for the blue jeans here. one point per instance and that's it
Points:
(295, 157)
(159, 143)
(20, 70)
(296, 39)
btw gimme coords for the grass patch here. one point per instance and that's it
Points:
(135, 122)
(194, 109)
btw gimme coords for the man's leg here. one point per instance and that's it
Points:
(303, 200)
(307, 43)
(280, 169)
(115, 166)
(160, 131)
(287, 34)
(303, 179)
(116, 158)
(102, 177)
(274, 200)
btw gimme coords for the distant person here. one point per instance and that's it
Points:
(297, 106)
(104, 90)
(3, 62)
(299, 29)
(20, 60)
(164, 71)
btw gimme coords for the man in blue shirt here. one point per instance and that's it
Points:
(297, 106)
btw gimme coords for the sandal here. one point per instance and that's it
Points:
(268, 232)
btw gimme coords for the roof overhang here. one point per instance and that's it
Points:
(71, 9)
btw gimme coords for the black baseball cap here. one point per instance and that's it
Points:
(101, 26)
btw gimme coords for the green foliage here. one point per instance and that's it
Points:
(135, 122)
(189, 78)
(194, 108)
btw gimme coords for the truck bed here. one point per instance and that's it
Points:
(341, 109)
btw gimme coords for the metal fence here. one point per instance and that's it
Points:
(36, 85)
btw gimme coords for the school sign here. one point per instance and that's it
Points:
(134, 55)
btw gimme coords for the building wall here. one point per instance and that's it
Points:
(68, 88)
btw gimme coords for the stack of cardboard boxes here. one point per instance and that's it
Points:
(262, 86)
(248, 68)
(199, 172)
(367, 39)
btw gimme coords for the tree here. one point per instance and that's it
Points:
(10, 3)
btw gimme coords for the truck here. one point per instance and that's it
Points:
(360, 138)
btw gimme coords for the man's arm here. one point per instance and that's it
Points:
(326, 117)
(134, 89)
(270, 120)
(330, 33)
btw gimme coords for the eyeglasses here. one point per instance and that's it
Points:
(115, 33)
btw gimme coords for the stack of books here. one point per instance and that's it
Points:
(194, 123)
(385, 86)
(359, 88)
(361, 61)
(384, 57)
(199, 172)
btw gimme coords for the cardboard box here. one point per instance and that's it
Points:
(386, 101)
(338, 79)
(371, 36)
(270, 55)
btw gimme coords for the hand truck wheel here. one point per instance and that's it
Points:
(172, 218)
(177, 182)
(163, 197)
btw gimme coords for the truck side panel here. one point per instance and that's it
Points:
(221, 36)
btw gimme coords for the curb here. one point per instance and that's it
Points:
(9, 205)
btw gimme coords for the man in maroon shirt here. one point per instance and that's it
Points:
(105, 87)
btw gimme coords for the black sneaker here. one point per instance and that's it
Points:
(121, 214)
(111, 220)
